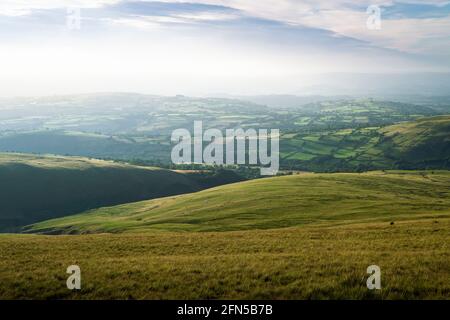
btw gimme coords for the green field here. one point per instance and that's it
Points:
(340, 135)
(420, 144)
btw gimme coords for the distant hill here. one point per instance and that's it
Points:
(319, 135)
(420, 144)
(86, 145)
(35, 188)
(425, 142)
(288, 101)
(312, 199)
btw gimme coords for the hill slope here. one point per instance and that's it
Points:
(415, 145)
(36, 188)
(424, 141)
(274, 203)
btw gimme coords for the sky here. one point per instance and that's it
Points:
(207, 47)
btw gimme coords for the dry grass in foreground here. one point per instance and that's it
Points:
(309, 262)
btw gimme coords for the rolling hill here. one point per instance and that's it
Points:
(304, 236)
(36, 188)
(414, 145)
(296, 200)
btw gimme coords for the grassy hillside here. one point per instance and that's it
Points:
(36, 188)
(420, 144)
(276, 202)
(308, 262)
(426, 140)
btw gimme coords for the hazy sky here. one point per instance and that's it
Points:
(211, 46)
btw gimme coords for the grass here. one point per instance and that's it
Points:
(308, 262)
(288, 201)
(306, 236)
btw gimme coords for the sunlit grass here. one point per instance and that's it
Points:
(309, 262)
(274, 203)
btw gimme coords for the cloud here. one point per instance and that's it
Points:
(411, 35)
(26, 7)
(412, 26)
(152, 14)
(344, 18)
(268, 45)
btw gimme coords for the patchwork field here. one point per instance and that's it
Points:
(343, 135)
(420, 144)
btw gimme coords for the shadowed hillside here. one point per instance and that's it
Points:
(35, 188)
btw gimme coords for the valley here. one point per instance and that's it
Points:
(348, 135)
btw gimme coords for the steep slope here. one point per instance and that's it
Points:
(274, 203)
(35, 188)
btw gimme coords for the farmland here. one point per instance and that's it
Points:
(419, 144)
(327, 136)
